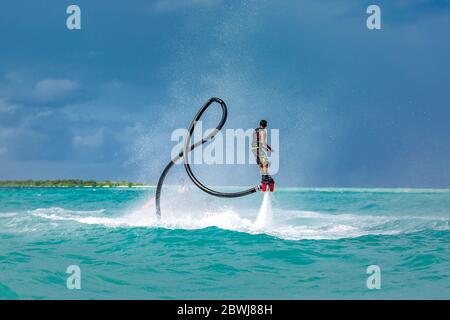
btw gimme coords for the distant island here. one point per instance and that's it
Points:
(68, 183)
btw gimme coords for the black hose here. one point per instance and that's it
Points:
(188, 149)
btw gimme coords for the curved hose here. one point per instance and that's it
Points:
(188, 149)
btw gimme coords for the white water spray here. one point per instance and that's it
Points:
(264, 218)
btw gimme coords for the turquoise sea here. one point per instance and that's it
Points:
(303, 244)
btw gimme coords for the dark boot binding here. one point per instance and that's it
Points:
(266, 178)
(267, 182)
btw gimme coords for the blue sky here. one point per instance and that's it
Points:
(354, 107)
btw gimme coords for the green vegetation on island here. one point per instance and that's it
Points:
(68, 183)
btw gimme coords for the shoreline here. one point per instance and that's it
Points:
(69, 183)
(285, 189)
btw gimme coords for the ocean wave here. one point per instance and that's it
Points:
(284, 224)
(7, 214)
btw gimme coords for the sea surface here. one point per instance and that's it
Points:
(292, 244)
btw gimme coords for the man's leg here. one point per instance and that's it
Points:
(265, 173)
(264, 169)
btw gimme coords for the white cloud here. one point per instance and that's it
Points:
(25, 89)
(54, 89)
(6, 107)
(90, 141)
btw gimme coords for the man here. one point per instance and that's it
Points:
(259, 148)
